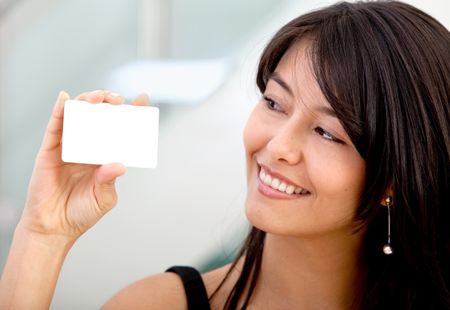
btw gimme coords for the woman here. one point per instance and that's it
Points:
(348, 178)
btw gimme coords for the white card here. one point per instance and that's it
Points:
(104, 133)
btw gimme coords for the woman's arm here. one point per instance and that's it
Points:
(64, 200)
(31, 271)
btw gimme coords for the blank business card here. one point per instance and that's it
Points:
(103, 133)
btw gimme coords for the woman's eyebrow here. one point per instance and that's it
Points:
(278, 79)
(326, 110)
(275, 76)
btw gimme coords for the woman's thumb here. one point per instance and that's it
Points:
(104, 186)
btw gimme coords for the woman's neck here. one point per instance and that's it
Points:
(310, 273)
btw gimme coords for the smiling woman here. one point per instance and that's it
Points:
(349, 142)
(355, 111)
(298, 146)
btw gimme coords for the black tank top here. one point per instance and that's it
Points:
(196, 295)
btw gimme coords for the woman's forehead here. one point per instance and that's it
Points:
(295, 66)
(295, 74)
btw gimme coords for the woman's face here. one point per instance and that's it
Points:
(304, 175)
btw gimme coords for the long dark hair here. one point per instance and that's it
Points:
(385, 69)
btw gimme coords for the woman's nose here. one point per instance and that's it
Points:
(286, 145)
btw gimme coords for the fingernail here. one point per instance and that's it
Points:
(62, 94)
(114, 94)
(96, 91)
(143, 96)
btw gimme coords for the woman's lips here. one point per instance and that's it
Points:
(274, 185)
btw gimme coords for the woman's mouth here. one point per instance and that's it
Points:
(280, 185)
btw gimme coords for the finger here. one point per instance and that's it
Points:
(53, 133)
(109, 172)
(82, 96)
(92, 96)
(141, 100)
(104, 186)
(113, 98)
(97, 96)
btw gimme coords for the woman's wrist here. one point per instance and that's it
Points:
(45, 241)
(32, 269)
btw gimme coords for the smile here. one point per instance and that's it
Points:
(279, 185)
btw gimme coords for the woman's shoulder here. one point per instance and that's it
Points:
(160, 291)
(164, 291)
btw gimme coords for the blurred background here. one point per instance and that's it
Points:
(197, 60)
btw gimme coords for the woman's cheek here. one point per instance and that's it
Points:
(336, 172)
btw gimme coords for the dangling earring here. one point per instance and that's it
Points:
(387, 249)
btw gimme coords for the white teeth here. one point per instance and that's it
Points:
(279, 185)
(290, 189)
(267, 180)
(275, 183)
(262, 175)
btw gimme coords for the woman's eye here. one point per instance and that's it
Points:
(326, 135)
(271, 104)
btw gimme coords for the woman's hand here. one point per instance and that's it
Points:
(66, 199)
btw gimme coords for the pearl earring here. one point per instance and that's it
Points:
(387, 249)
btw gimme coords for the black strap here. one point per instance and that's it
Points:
(196, 295)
